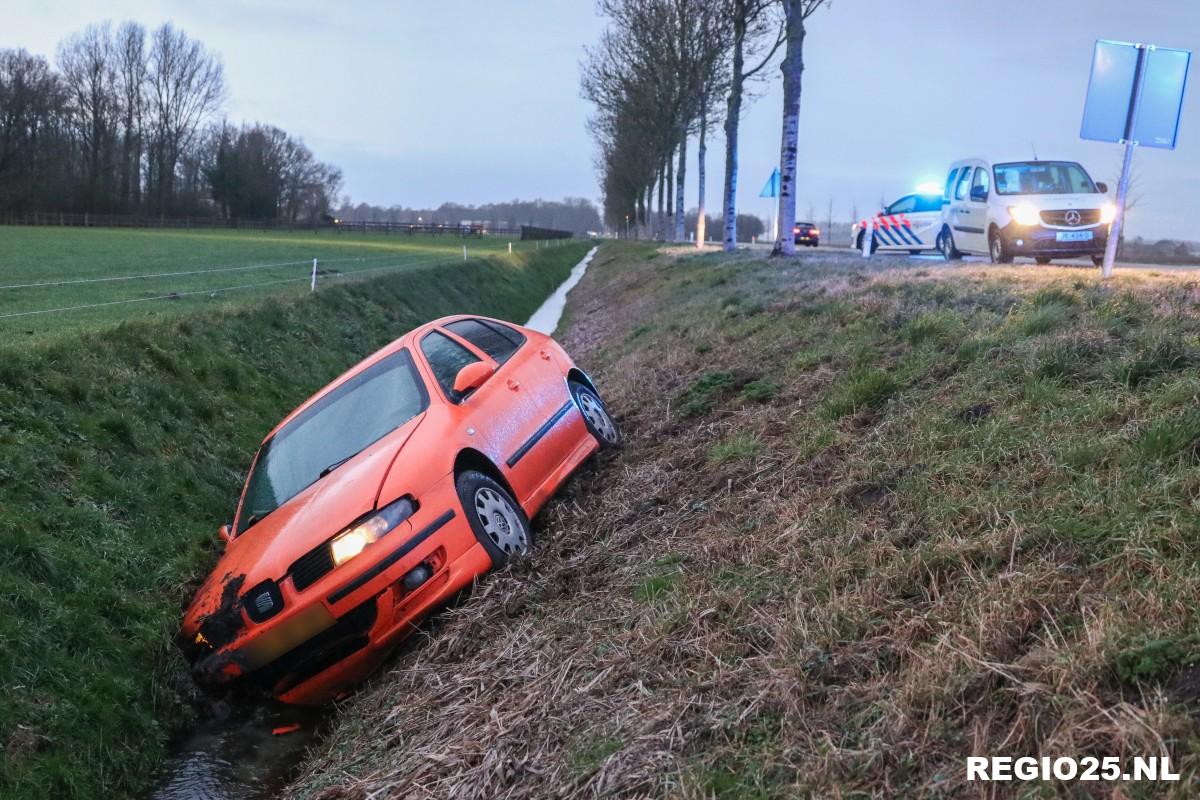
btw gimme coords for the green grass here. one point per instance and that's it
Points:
(224, 258)
(120, 454)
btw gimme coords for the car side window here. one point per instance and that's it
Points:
(498, 341)
(446, 357)
(981, 184)
(905, 205)
(929, 203)
(950, 183)
(964, 180)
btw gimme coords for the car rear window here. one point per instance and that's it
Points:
(927, 202)
(347, 420)
(498, 341)
(446, 357)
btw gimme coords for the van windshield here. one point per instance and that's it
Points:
(330, 432)
(1043, 177)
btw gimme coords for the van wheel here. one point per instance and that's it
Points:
(1042, 260)
(874, 243)
(945, 245)
(998, 248)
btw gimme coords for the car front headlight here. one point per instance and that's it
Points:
(1108, 213)
(1025, 214)
(354, 540)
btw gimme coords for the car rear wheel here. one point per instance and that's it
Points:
(1042, 260)
(495, 517)
(874, 243)
(998, 248)
(1098, 261)
(945, 245)
(914, 252)
(595, 415)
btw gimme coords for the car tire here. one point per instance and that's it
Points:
(1042, 260)
(874, 243)
(496, 519)
(945, 245)
(1098, 261)
(595, 415)
(998, 248)
(914, 252)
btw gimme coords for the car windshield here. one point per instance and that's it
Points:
(1043, 177)
(348, 419)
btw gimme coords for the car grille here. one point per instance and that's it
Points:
(1087, 216)
(310, 567)
(347, 636)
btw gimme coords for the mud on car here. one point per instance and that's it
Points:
(383, 495)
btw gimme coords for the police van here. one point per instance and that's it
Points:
(1038, 209)
(911, 223)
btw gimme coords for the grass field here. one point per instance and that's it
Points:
(121, 452)
(99, 265)
(869, 519)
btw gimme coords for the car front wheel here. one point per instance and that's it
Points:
(495, 517)
(998, 249)
(595, 415)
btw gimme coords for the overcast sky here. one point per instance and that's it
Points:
(478, 100)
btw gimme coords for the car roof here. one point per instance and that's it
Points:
(407, 340)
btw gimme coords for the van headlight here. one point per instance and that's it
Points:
(354, 540)
(1025, 214)
(1108, 212)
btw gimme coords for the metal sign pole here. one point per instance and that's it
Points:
(1114, 230)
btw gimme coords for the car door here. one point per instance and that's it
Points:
(966, 219)
(540, 378)
(924, 223)
(498, 414)
(893, 233)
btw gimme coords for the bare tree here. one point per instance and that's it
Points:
(88, 70)
(795, 13)
(829, 217)
(186, 86)
(132, 70)
(755, 33)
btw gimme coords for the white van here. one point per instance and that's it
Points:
(1038, 209)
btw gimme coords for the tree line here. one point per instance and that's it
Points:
(127, 121)
(576, 214)
(666, 71)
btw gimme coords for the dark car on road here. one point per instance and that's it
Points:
(807, 233)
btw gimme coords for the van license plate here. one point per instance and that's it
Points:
(1074, 236)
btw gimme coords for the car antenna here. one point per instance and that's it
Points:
(1034, 146)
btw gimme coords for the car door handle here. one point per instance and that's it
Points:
(545, 356)
(514, 385)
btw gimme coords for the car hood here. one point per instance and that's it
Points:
(267, 549)
(1050, 202)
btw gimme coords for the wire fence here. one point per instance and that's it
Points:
(315, 271)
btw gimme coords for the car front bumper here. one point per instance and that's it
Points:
(1037, 240)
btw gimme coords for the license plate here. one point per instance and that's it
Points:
(1074, 236)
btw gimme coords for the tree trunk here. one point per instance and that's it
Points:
(792, 67)
(680, 222)
(662, 188)
(702, 149)
(669, 219)
(732, 113)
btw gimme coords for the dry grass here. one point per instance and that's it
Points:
(804, 588)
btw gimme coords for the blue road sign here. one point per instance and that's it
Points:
(771, 187)
(1135, 93)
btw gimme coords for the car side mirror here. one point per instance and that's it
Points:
(1102, 186)
(979, 194)
(226, 534)
(472, 376)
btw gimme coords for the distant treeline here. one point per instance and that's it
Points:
(126, 122)
(575, 214)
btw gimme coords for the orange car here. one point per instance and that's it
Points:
(384, 494)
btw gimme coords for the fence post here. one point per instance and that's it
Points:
(510, 248)
(464, 252)
(313, 288)
(868, 236)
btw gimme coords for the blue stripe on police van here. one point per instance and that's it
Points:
(898, 232)
(880, 234)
